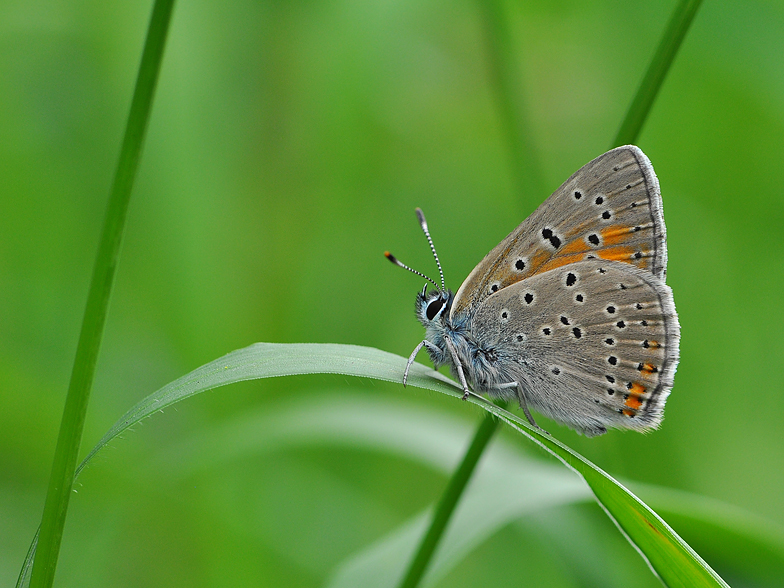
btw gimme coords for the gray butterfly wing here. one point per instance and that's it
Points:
(609, 209)
(594, 344)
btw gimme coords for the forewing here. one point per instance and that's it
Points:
(610, 209)
(594, 344)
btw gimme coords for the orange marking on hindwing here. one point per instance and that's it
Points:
(648, 369)
(637, 389)
(629, 412)
(633, 402)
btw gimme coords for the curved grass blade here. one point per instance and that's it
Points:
(748, 546)
(666, 553)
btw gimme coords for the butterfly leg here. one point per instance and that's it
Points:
(455, 359)
(459, 366)
(411, 359)
(523, 404)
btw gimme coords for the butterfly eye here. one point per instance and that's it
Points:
(434, 307)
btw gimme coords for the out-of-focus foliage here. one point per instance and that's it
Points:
(289, 144)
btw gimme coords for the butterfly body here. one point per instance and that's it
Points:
(569, 314)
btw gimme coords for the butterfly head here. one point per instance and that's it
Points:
(433, 307)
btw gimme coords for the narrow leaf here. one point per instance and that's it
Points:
(70, 436)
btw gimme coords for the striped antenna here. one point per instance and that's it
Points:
(399, 263)
(423, 224)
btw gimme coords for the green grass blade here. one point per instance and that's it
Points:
(270, 360)
(448, 502)
(667, 554)
(27, 567)
(749, 546)
(69, 438)
(657, 71)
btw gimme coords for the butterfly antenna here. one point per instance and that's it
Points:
(423, 224)
(399, 263)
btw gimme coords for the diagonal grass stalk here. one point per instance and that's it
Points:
(72, 424)
(660, 64)
(449, 499)
(505, 78)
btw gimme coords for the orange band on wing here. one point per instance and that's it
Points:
(560, 261)
(617, 254)
(576, 246)
(538, 260)
(615, 234)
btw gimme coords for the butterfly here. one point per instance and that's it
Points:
(569, 315)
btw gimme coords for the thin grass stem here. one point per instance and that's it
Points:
(72, 424)
(449, 499)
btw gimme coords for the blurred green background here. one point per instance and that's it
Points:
(288, 146)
